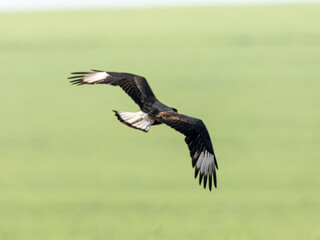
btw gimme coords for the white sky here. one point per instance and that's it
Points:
(22, 5)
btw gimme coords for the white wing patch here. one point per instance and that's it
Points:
(206, 163)
(139, 120)
(93, 77)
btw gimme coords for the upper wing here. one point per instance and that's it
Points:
(135, 86)
(199, 143)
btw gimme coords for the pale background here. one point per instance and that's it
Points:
(21, 5)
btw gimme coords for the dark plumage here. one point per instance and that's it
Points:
(153, 112)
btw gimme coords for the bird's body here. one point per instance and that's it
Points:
(154, 112)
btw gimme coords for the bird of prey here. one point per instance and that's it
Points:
(153, 112)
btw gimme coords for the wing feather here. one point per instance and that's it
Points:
(199, 144)
(135, 86)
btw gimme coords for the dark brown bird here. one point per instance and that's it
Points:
(153, 112)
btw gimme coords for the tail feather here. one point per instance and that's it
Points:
(139, 120)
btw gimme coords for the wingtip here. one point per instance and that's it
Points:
(79, 72)
(210, 182)
(196, 172)
(216, 162)
(215, 179)
(76, 82)
(205, 182)
(200, 178)
(78, 76)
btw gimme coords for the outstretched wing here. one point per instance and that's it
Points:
(199, 143)
(135, 86)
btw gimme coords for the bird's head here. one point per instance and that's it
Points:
(174, 109)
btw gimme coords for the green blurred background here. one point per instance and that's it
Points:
(70, 170)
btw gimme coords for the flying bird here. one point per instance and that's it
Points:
(153, 112)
